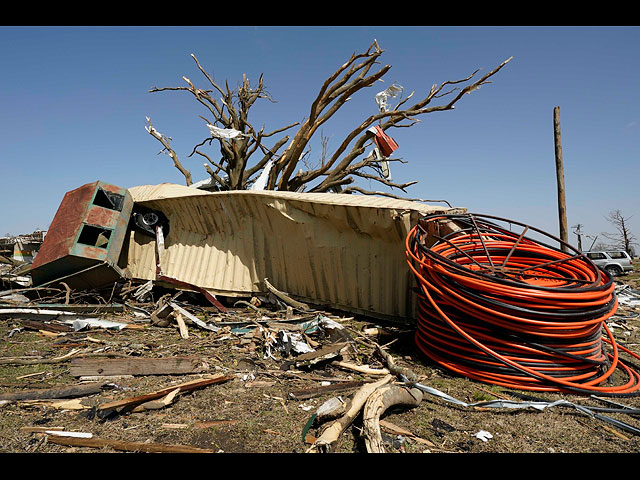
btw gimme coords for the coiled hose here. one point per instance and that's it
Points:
(502, 308)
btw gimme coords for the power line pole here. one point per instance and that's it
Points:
(562, 207)
(578, 232)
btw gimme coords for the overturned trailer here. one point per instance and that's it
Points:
(339, 251)
(345, 252)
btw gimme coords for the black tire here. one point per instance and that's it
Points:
(613, 270)
(146, 220)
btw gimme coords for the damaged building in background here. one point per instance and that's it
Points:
(338, 251)
(16, 254)
(21, 248)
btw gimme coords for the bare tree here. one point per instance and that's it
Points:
(598, 247)
(623, 238)
(239, 141)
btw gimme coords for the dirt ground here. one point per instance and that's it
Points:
(267, 402)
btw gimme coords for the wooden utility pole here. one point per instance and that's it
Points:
(562, 207)
(578, 232)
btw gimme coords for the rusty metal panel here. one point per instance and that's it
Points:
(342, 251)
(86, 236)
(64, 227)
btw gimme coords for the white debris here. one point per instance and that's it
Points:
(261, 182)
(483, 435)
(59, 433)
(293, 342)
(392, 92)
(81, 324)
(225, 133)
(628, 296)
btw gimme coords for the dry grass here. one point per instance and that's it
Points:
(254, 412)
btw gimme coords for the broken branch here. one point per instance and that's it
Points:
(331, 434)
(174, 156)
(381, 400)
(285, 298)
(184, 387)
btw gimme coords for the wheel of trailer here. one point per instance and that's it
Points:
(146, 221)
(150, 219)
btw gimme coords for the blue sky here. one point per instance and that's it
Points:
(73, 102)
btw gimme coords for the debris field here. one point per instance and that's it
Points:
(97, 359)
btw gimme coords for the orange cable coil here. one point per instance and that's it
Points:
(505, 309)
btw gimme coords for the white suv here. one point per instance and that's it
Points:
(614, 262)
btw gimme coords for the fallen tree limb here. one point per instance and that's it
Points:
(360, 368)
(393, 368)
(331, 434)
(285, 298)
(377, 403)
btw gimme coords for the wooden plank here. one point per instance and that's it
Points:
(66, 391)
(183, 387)
(49, 327)
(126, 446)
(81, 367)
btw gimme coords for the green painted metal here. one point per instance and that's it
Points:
(85, 240)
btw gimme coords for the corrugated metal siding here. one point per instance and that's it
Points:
(345, 251)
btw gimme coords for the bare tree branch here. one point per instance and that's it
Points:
(388, 119)
(292, 170)
(231, 111)
(390, 195)
(165, 143)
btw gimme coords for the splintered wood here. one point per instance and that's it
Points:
(381, 400)
(168, 393)
(331, 434)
